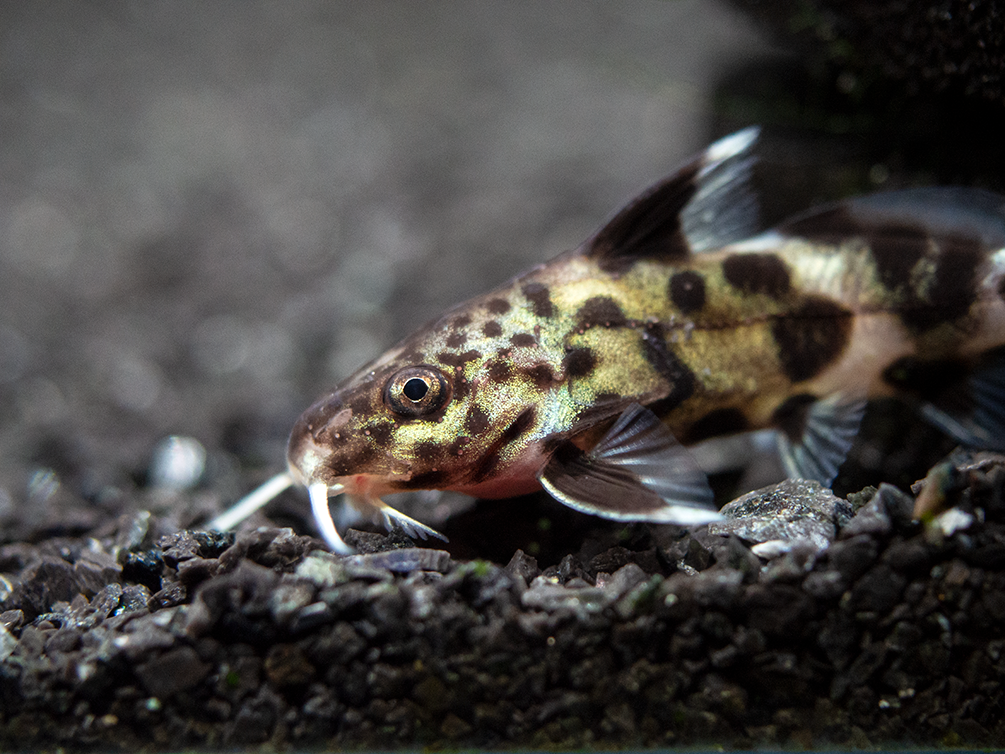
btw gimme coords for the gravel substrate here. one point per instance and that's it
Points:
(862, 628)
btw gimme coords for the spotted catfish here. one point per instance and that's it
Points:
(590, 374)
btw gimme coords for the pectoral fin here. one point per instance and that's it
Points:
(816, 434)
(409, 525)
(981, 421)
(637, 472)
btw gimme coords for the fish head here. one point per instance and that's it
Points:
(456, 406)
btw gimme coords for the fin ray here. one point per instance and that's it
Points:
(705, 204)
(978, 418)
(637, 472)
(393, 517)
(829, 430)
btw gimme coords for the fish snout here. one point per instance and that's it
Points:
(315, 436)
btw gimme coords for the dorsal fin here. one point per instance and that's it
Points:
(705, 204)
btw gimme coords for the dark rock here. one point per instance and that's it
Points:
(174, 671)
(851, 557)
(624, 579)
(877, 591)
(871, 518)
(776, 518)
(697, 555)
(256, 718)
(777, 609)
(523, 565)
(286, 665)
(11, 619)
(94, 569)
(143, 567)
(42, 584)
(365, 542)
(403, 560)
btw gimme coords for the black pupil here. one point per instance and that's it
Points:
(415, 389)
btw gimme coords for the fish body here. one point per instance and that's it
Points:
(675, 323)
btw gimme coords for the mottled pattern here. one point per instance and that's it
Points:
(723, 341)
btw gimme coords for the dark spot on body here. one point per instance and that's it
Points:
(811, 337)
(485, 467)
(757, 273)
(456, 448)
(381, 433)
(492, 329)
(457, 359)
(425, 481)
(541, 375)
(681, 380)
(579, 362)
(461, 386)
(460, 321)
(687, 291)
(540, 299)
(521, 424)
(600, 310)
(950, 295)
(498, 305)
(523, 340)
(896, 248)
(552, 443)
(476, 421)
(428, 450)
(456, 339)
(499, 370)
(791, 416)
(721, 421)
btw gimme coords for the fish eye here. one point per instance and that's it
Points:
(417, 391)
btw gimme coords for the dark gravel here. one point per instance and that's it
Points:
(890, 632)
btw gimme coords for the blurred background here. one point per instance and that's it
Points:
(211, 212)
